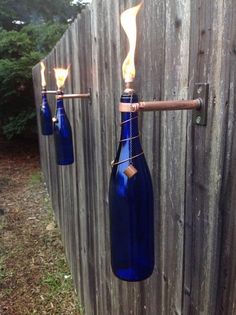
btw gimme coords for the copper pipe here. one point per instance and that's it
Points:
(50, 92)
(86, 95)
(161, 105)
(44, 91)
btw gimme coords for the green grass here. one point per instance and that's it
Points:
(2, 224)
(58, 279)
(59, 283)
(53, 290)
(2, 268)
(35, 178)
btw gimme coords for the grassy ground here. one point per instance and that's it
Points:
(34, 276)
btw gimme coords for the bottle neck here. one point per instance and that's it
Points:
(60, 106)
(129, 120)
(44, 99)
(129, 125)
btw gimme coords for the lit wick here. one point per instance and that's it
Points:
(128, 22)
(61, 74)
(43, 81)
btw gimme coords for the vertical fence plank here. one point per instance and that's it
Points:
(226, 297)
(209, 63)
(173, 155)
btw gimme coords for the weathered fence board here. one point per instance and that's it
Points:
(180, 43)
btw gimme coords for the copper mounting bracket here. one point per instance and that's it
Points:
(160, 105)
(198, 104)
(201, 90)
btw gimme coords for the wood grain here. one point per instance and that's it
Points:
(180, 43)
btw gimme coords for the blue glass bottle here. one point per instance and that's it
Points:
(63, 136)
(131, 204)
(45, 116)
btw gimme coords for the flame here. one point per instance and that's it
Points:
(128, 22)
(61, 75)
(43, 81)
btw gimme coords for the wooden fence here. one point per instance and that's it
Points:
(180, 42)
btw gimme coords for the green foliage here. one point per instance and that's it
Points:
(16, 85)
(19, 124)
(23, 44)
(14, 44)
(37, 11)
(47, 35)
(18, 56)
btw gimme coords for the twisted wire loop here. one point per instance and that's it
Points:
(131, 132)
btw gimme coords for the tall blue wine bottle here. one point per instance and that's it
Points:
(131, 204)
(45, 116)
(63, 136)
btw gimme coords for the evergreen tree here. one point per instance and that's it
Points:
(14, 14)
(29, 29)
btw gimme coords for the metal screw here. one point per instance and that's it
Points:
(198, 120)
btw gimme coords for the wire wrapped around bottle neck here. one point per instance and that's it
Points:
(126, 160)
(132, 116)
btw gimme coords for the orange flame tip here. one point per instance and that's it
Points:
(61, 75)
(128, 22)
(43, 81)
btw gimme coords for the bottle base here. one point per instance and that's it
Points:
(65, 162)
(132, 275)
(47, 133)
